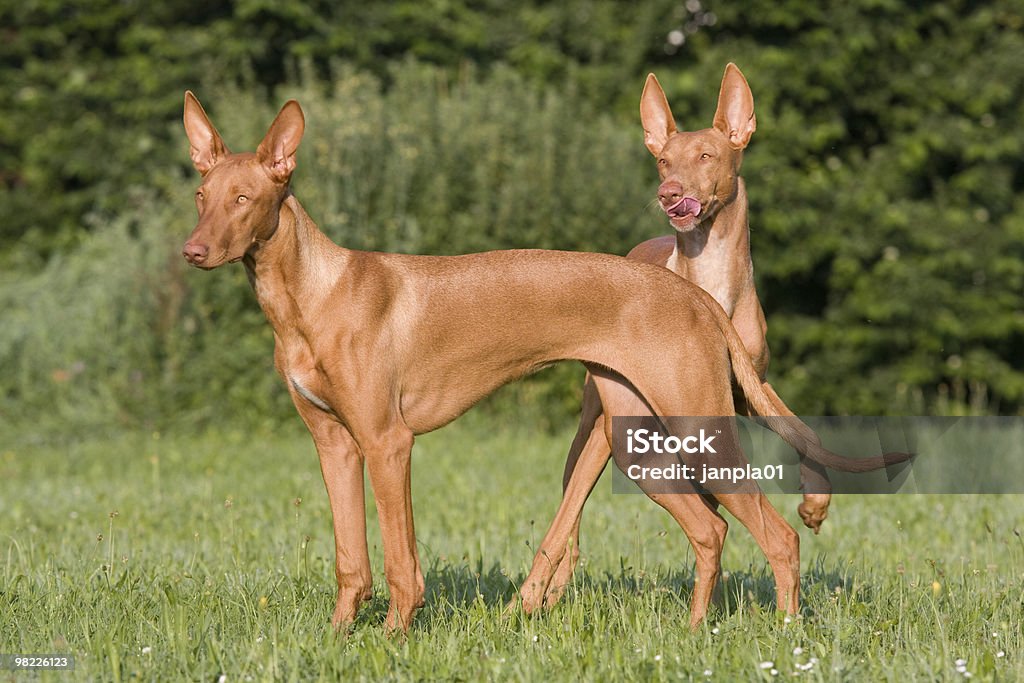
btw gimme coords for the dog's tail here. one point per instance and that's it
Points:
(779, 417)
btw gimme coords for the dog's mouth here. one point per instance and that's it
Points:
(684, 213)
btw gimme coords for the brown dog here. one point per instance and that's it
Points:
(705, 201)
(375, 348)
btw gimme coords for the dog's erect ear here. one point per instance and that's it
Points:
(655, 116)
(735, 116)
(277, 151)
(207, 146)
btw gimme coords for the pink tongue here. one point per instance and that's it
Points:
(687, 206)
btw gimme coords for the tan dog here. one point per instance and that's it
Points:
(375, 348)
(705, 200)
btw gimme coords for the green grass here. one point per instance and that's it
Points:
(189, 556)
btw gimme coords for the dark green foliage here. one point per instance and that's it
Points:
(885, 198)
(88, 87)
(885, 180)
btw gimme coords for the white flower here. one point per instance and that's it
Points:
(657, 658)
(707, 672)
(223, 678)
(766, 665)
(1000, 654)
(535, 638)
(798, 650)
(960, 662)
(146, 650)
(714, 631)
(774, 672)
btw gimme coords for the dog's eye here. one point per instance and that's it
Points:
(663, 161)
(242, 199)
(199, 195)
(705, 155)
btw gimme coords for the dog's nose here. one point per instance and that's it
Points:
(669, 192)
(195, 253)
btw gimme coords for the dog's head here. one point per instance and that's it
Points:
(239, 199)
(699, 170)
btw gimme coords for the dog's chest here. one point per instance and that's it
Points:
(303, 389)
(299, 368)
(714, 276)
(723, 292)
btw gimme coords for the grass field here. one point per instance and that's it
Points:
(210, 557)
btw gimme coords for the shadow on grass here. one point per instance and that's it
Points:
(753, 591)
(456, 588)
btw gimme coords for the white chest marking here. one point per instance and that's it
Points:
(309, 395)
(710, 274)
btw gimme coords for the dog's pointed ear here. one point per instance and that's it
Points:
(735, 115)
(207, 147)
(655, 116)
(277, 151)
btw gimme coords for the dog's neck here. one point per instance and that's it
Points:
(295, 268)
(716, 254)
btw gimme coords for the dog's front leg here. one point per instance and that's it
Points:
(388, 459)
(341, 463)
